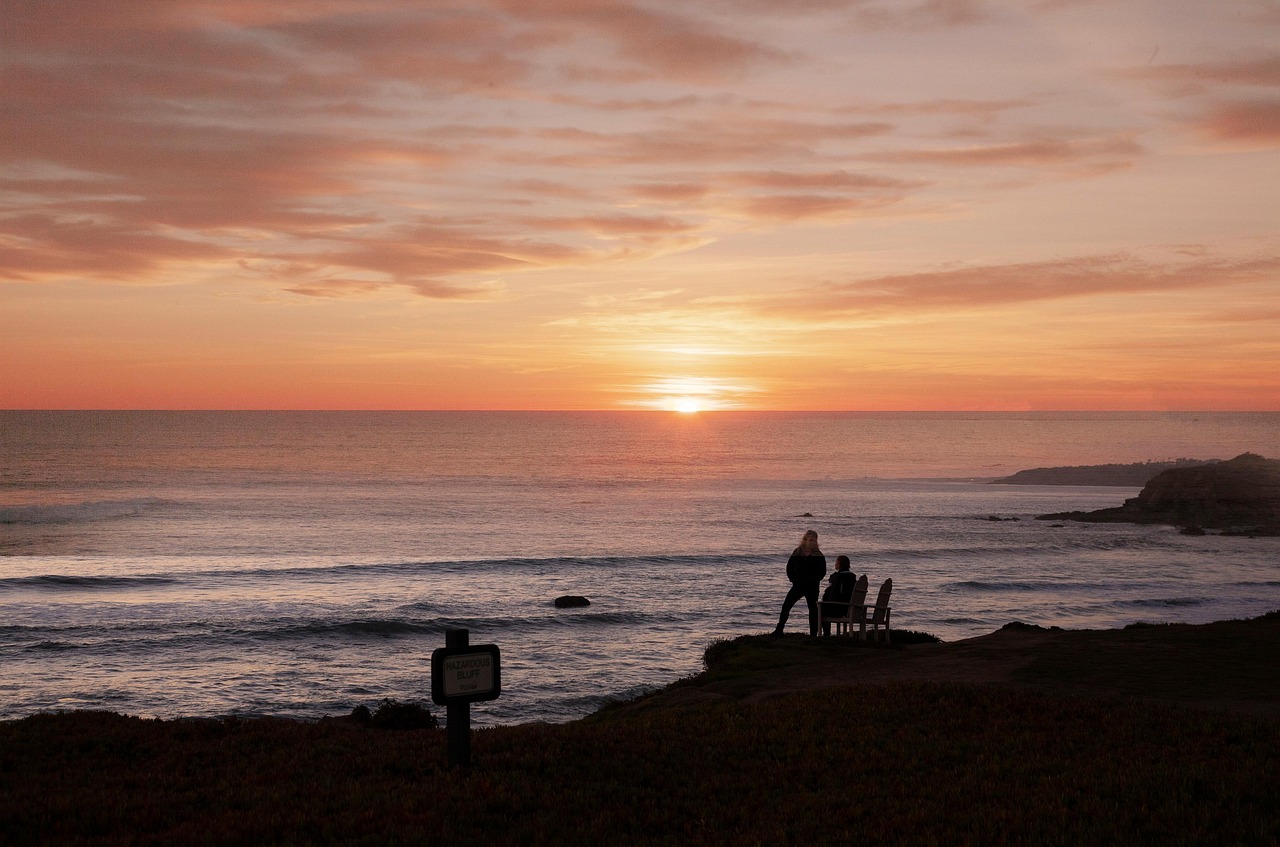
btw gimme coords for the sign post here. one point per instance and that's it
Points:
(462, 674)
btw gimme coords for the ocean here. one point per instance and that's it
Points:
(301, 563)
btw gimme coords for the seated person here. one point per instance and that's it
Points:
(835, 599)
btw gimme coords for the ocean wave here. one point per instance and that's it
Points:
(1036, 546)
(1160, 602)
(73, 513)
(77, 583)
(377, 627)
(492, 626)
(1024, 585)
(545, 565)
(53, 645)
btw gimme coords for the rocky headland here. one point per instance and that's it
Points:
(1135, 474)
(1241, 496)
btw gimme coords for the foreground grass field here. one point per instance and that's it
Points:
(899, 762)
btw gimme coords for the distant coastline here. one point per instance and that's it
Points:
(1136, 474)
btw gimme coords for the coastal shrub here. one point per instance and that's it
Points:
(716, 652)
(392, 714)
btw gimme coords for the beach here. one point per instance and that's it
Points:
(1159, 734)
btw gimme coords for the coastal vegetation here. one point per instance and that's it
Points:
(753, 751)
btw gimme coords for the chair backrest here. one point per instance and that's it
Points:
(859, 592)
(882, 601)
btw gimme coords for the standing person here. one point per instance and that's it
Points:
(806, 568)
(835, 600)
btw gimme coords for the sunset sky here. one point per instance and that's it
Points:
(640, 204)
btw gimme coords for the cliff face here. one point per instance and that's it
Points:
(1245, 490)
(1243, 493)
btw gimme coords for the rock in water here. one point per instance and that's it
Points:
(1243, 493)
(569, 601)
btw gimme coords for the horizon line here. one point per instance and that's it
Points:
(707, 411)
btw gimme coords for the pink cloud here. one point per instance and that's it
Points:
(670, 45)
(187, 130)
(424, 258)
(37, 246)
(1256, 72)
(671, 192)
(1247, 121)
(705, 142)
(924, 15)
(999, 285)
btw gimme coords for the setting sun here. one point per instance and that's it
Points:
(687, 406)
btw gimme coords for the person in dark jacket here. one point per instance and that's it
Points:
(839, 591)
(806, 568)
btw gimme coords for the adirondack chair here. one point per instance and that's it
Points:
(875, 617)
(841, 623)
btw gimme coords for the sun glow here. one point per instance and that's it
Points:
(689, 395)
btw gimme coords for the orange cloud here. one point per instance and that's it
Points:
(643, 227)
(796, 207)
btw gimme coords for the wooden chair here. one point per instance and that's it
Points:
(841, 623)
(878, 621)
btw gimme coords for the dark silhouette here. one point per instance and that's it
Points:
(806, 568)
(392, 714)
(570, 601)
(839, 591)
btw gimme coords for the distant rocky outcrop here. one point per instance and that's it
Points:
(1241, 495)
(1131, 475)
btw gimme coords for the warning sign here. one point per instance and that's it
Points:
(465, 674)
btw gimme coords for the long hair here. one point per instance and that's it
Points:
(809, 544)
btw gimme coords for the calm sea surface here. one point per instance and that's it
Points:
(301, 563)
